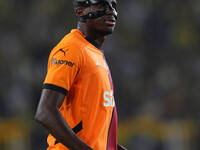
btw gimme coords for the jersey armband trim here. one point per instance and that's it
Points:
(78, 127)
(55, 88)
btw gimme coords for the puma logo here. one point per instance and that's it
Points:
(63, 51)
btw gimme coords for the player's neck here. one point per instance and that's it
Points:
(91, 35)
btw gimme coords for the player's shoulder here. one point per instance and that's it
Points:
(71, 43)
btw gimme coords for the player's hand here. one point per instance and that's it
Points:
(120, 147)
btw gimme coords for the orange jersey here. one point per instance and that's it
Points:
(78, 69)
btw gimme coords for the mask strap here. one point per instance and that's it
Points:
(92, 15)
(86, 3)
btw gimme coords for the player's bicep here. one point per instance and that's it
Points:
(50, 101)
(51, 98)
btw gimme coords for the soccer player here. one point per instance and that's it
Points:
(77, 104)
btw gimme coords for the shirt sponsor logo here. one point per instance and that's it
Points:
(108, 99)
(60, 62)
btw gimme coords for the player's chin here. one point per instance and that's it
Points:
(109, 30)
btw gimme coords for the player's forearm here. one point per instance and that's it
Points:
(52, 120)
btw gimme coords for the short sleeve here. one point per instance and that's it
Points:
(63, 67)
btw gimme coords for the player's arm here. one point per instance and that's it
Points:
(120, 147)
(49, 116)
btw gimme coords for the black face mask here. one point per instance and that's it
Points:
(107, 4)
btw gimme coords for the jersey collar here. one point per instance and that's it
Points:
(87, 39)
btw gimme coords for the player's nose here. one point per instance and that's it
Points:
(112, 11)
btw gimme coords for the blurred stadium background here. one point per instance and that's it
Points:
(154, 59)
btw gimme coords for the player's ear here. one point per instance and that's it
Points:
(79, 11)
